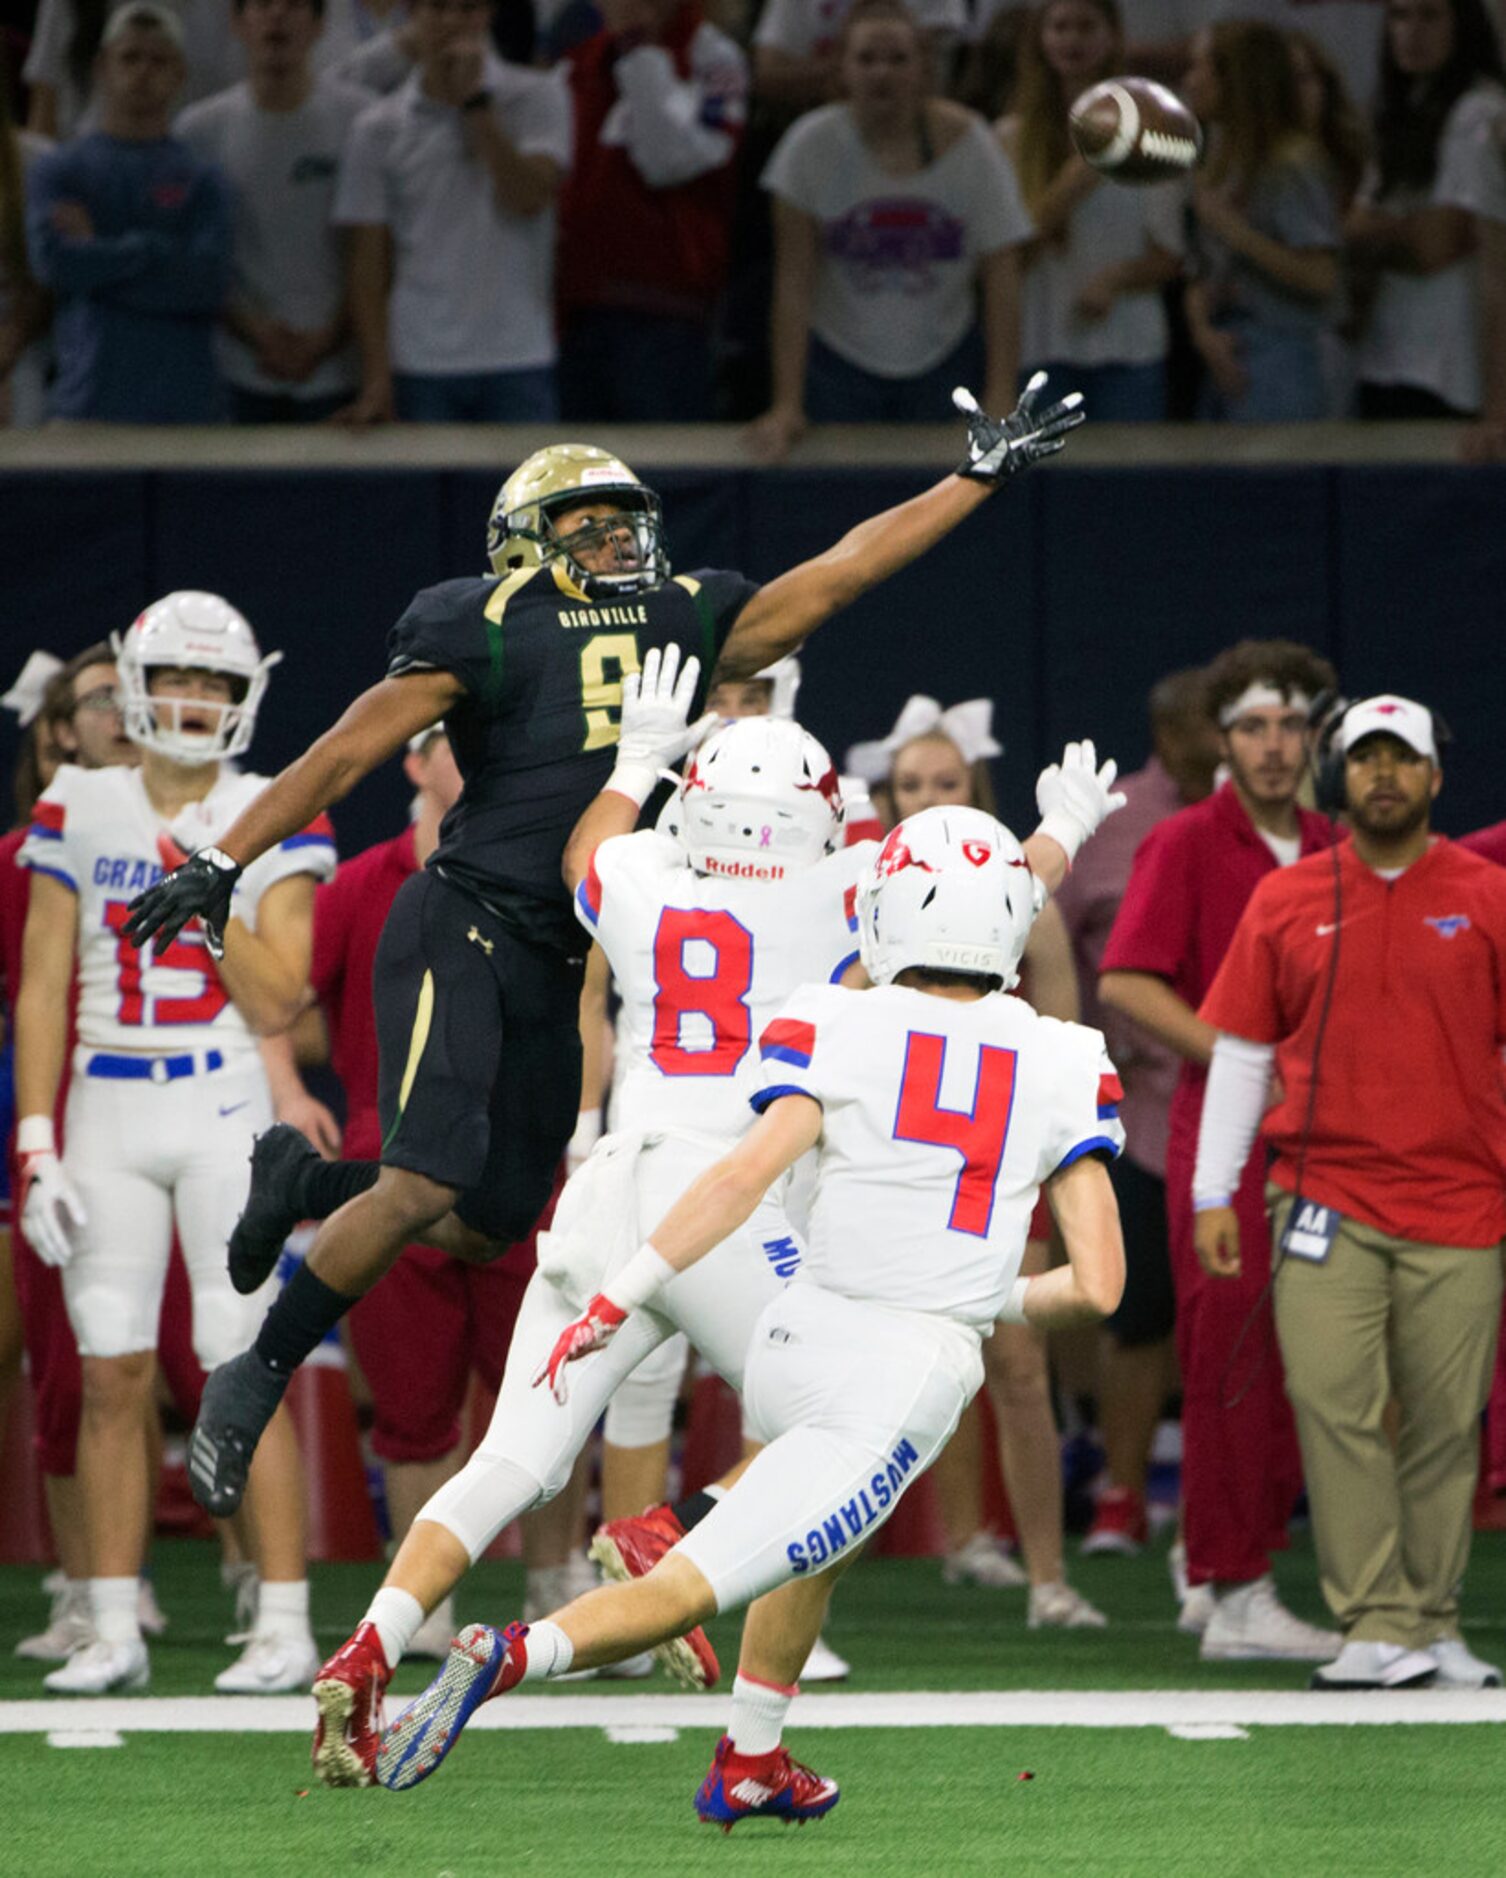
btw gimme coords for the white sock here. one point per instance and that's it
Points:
(758, 1712)
(397, 1616)
(715, 1492)
(550, 1652)
(282, 1610)
(116, 1613)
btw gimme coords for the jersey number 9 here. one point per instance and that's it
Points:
(600, 695)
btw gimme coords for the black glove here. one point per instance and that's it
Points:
(999, 447)
(199, 889)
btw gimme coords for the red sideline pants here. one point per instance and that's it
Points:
(1241, 1469)
(424, 1328)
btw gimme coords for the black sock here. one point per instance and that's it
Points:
(325, 1186)
(693, 1509)
(303, 1315)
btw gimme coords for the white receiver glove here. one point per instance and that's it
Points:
(1076, 797)
(52, 1214)
(655, 704)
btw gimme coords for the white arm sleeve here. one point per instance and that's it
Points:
(1238, 1078)
(666, 133)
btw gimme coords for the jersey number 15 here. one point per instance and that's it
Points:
(187, 953)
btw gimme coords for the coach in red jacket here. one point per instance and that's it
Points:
(1373, 981)
(660, 101)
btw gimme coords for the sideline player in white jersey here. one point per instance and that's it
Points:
(168, 1092)
(938, 1109)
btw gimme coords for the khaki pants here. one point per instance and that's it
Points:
(1383, 1316)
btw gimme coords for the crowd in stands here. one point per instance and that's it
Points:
(820, 211)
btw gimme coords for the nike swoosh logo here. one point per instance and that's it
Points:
(234, 1106)
(1323, 932)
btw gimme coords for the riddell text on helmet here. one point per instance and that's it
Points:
(745, 870)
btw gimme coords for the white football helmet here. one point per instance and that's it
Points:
(784, 675)
(198, 632)
(759, 799)
(950, 890)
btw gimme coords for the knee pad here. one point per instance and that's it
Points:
(486, 1495)
(224, 1323)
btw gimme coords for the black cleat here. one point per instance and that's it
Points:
(274, 1206)
(239, 1399)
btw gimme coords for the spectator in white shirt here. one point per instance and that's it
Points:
(1091, 310)
(385, 56)
(895, 215)
(797, 46)
(61, 66)
(449, 189)
(285, 341)
(1412, 234)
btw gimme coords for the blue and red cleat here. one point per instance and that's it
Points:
(482, 1663)
(762, 1786)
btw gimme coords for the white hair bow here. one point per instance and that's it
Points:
(969, 725)
(26, 694)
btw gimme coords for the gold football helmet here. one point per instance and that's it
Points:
(522, 532)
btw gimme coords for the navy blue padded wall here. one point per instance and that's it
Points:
(321, 564)
(1422, 610)
(960, 623)
(75, 554)
(1143, 571)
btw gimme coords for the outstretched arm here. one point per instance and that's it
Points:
(782, 615)
(374, 728)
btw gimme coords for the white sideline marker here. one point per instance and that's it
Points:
(85, 1738)
(979, 1708)
(635, 1734)
(1209, 1731)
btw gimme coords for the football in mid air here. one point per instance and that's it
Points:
(1135, 131)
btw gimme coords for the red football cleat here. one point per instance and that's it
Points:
(1119, 1523)
(631, 1548)
(348, 1691)
(761, 1786)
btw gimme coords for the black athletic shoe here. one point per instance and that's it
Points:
(239, 1399)
(274, 1206)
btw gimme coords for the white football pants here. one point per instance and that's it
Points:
(146, 1156)
(528, 1451)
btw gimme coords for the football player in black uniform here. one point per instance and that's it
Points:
(477, 980)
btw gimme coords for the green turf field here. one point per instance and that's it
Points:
(1340, 1800)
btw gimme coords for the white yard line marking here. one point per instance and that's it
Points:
(1209, 1731)
(983, 1708)
(631, 1734)
(85, 1738)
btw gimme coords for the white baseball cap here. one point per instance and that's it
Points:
(1396, 717)
(143, 13)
